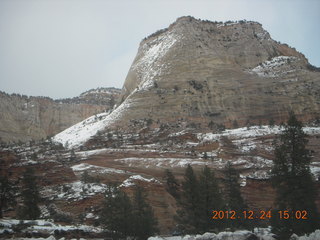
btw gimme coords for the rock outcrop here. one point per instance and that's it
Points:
(205, 72)
(30, 118)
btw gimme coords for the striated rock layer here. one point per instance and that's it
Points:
(200, 72)
(30, 118)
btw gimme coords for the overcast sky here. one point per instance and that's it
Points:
(60, 48)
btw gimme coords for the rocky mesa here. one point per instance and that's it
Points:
(26, 118)
(206, 72)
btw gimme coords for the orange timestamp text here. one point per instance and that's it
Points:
(262, 214)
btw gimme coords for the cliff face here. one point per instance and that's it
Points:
(24, 118)
(199, 71)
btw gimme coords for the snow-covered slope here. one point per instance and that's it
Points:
(81, 132)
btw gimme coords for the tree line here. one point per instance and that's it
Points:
(291, 178)
(199, 195)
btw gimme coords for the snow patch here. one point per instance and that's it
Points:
(129, 182)
(44, 226)
(276, 67)
(95, 169)
(148, 66)
(74, 191)
(81, 132)
(161, 162)
(252, 132)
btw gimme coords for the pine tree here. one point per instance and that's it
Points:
(293, 182)
(30, 195)
(233, 198)
(189, 217)
(85, 177)
(7, 187)
(210, 199)
(172, 184)
(144, 222)
(7, 197)
(116, 214)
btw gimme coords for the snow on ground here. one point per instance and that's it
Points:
(130, 181)
(43, 226)
(315, 169)
(81, 132)
(149, 65)
(312, 236)
(161, 162)
(251, 132)
(86, 154)
(237, 235)
(276, 67)
(256, 162)
(259, 233)
(245, 145)
(74, 191)
(95, 169)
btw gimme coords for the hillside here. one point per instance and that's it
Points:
(26, 118)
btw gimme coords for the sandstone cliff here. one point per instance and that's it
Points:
(207, 72)
(24, 118)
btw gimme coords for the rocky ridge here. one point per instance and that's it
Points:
(26, 118)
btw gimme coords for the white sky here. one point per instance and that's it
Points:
(60, 48)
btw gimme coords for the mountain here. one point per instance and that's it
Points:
(26, 118)
(212, 75)
(198, 93)
(199, 71)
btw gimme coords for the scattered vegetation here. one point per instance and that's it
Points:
(128, 217)
(293, 182)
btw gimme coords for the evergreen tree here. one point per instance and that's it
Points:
(73, 156)
(6, 194)
(210, 199)
(172, 184)
(293, 182)
(116, 214)
(7, 188)
(30, 195)
(85, 177)
(189, 217)
(144, 222)
(233, 198)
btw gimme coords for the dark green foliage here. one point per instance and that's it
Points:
(200, 196)
(196, 85)
(235, 124)
(271, 122)
(211, 125)
(30, 196)
(128, 218)
(190, 201)
(87, 178)
(7, 197)
(293, 182)
(210, 199)
(313, 68)
(73, 156)
(205, 155)
(143, 220)
(172, 184)
(233, 198)
(117, 212)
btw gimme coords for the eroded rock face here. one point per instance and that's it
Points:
(24, 118)
(200, 71)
